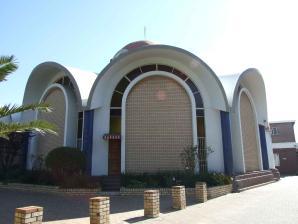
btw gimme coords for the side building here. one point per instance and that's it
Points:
(284, 146)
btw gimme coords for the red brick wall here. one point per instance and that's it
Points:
(285, 132)
(288, 161)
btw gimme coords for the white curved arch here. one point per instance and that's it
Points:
(123, 108)
(256, 125)
(46, 73)
(201, 74)
(70, 120)
(252, 80)
(56, 85)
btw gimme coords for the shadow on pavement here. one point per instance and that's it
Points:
(59, 207)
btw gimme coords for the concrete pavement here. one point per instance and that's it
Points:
(273, 203)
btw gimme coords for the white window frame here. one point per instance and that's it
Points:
(274, 131)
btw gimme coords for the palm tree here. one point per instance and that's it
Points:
(8, 65)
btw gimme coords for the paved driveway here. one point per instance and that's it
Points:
(273, 203)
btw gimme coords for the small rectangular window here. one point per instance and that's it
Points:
(165, 68)
(80, 125)
(121, 87)
(179, 74)
(274, 131)
(148, 68)
(116, 99)
(80, 130)
(133, 74)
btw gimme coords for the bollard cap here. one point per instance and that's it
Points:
(201, 183)
(29, 209)
(178, 186)
(99, 198)
(151, 191)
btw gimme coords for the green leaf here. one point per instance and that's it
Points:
(39, 126)
(7, 110)
(8, 65)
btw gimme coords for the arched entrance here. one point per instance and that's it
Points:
(117, 132)
(54, 97)
(249, 134)
(158, 125)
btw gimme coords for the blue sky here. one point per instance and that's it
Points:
(229, 36)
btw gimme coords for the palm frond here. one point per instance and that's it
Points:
(8, 65)
(8, 109)
(39, 126)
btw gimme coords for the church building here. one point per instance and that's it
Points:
(146, 106)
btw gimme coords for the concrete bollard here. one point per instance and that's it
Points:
(201, 192)
(178, 197)
(28, 215)
(151, 203)
(99, 210)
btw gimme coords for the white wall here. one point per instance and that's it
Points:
(270, 150)
(100, 149)
(72, 119)
(238, 159)
(214, 140)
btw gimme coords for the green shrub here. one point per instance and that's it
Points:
(168, 179)
(65, 161)
(41, 177)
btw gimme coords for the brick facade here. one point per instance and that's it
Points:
(288, 159)
(284, 147)
(285, 132)
(51, 189)
(249, 138)
(212, 192)
(46, 143)
(158, 125)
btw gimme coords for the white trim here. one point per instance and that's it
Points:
(256, 128)
(280, 122)
(56, 85)
(276, 159)
(284, 145)
(123, 106)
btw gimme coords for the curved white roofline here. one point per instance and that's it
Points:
(251, 79)
(43, 74)
(180, 51)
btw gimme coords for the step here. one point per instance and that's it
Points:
(253, 180)
(255, 186)
(111, 183)
(249, 180)
(252, 174)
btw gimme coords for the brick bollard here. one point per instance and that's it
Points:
(201, 192)
(99, 210)
(151, 203)
(28, 215)
(178, 197)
